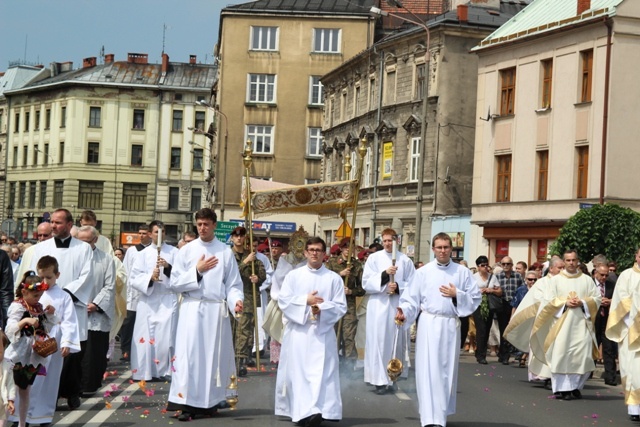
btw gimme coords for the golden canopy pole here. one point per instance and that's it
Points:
(362, 152)
(247, 161)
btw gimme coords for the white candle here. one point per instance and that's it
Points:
(159, 237)
(394, 250)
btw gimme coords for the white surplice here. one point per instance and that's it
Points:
(308, 378)
(44, 391)
(204, 356)
(153, 340)
(381, 310)
(74, 264)
(103, 278)
(563, 337)
(438, 338)
(624, 315)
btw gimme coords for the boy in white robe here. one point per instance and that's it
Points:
(206, 273)
(442, 291)
(312, 300)
(154, 332)
(384, 295)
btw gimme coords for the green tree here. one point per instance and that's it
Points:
(607, 229)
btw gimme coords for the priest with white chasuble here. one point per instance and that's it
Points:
(441, 292)
(312, 301)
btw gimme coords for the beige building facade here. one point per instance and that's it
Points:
(271, 58)
(112, 138)
(558, 102)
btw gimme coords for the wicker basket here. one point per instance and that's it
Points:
(46, 347)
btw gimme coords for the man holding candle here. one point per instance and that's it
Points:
(156, 320)
(386, 275)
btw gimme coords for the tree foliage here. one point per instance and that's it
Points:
(607, 229)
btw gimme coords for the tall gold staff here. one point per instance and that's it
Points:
(362, 151)
(247, 161)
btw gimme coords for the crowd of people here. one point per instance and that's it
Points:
(213, 309)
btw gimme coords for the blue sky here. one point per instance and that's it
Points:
(70, 30)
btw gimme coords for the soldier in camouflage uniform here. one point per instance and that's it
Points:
(352, 290)
(244, 328)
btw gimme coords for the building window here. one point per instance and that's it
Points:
(46, 154)
(314, 142)
(196, 199)
(372, 93)
(93, 153)
(47, 118)
(504, 178)
(61, 154)
(262, 137)
(32, 194)
(316, 91)
(43, 194)
(176, 153)
(262, 88)
(583, 172)
(94, 117)
(390, 93)
(90, 194)
(421, 72)
(543, 174)
(12, 193)
(58, 188)
(177, 97)
(264, 38)
(547, 78)
(174, 198)
(138, 119)
(16, 124)
(326, 40)
(15, 157)
(197, 159)
(177, 121)
(27, 120)
(37, 123)
(22, 194)
(35, 156)
(199, 120)
(356, 102)
(508, 91)
(587, 75)
(134, 197)
(343, 106)
(63, 117)
(25, 155)
(136, 155)
(415, 158)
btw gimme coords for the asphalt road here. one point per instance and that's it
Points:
(488, 395)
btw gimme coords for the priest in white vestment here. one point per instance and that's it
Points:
(563, 334)
(312, 301)
(206, 273)
(154, 332)
(623, 327)
(441, 292)
(384, 295)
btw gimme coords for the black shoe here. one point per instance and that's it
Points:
(251, 363)
(576, 394)
(314, 420)
(73, 402)
(242, 368)
(547, 384)
(613, 383)
(566, 395)
(90, 393)
(185, 416)
(381, 389)
(505, 362)
(634, 417)
(483, 362)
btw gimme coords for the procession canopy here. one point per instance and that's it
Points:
(320, 198)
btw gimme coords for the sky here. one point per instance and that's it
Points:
(45, 31)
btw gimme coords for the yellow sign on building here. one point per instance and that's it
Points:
(387, 159)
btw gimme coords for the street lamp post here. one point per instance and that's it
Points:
(223, 184)
(425, 107)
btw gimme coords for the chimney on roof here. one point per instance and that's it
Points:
(583, 6)
(493, 4)
(165, 63)
(109, 58)
(39, 66)
(137, 58)
(1, 73)
(66, 66)
(192, 59)
(89, 62)
(463, 13)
